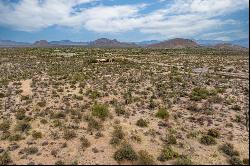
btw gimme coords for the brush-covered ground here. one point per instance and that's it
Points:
(123, 106)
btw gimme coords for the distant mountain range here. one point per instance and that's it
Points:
(241, 42)
(107, 43)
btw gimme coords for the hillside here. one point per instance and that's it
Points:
(175, 43)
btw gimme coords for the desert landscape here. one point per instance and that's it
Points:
(140, 106)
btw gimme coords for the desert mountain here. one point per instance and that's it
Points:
(12, 43)
(103, 42)
(175, 43)
(68, 43)
(228, 46)
(41, 43)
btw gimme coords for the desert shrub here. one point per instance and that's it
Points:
(117, 135)
(78, 97)
(167, 153)
(23, 126)
(152, 104)
(2, 95)
(57, 123)
(246, 161)
(5, 158)
(183, 160)
(69, 134)
(216, 99)
(126, 152)
(20, 114)
(5, 126)
(30, 150)
(93, 124)
(41, 103)
(162, 113)
(194, 108)
(208, 140)
(93, 94)
(101, 111)
(92, 60)
(236, 107)
(199, 93)
(229, 150)
(142, 123)
(144, 158)
(214, 133)
(36, 134)
(43, 121)
(59, 115)
(15, 137)
(84, 142)
(59, 162)
(192, 134)
(235, 160)
(170, 139)
(25, 97)
(120, 111)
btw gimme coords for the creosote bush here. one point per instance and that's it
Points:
(144, 158)
(183, 160)
(162, 113)
(126, 152)
(214, 133)
(5, 158)
(142, 123)
(167, 154)
(208, 140)
(101, 111)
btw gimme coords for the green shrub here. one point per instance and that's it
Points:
(23, 126)
(119, 111)
(162, 113)
(59, 162)
(208, 140)
(183, 160)
(142, 123)
(93, 94)
(236, 107)
(170, 139)
(5, 158)
(30, 150)
(5, 126)
(200, 93)
(20, 115)
(69, 134)
(93, 124)
(144, 158)
(59, 115)
(117, 135)
(84, 142)
(101, 111)
(194, 108)
(15, 137)
(167, 154)
(228, 149)
(41, 103)
(235, 160)
(214, 133)
(246, 161)
(2, 95)
(36, 134)
(126, 152)
(78, 97)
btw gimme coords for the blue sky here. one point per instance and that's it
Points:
(125, 20)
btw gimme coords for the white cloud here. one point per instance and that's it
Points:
(185, 18)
